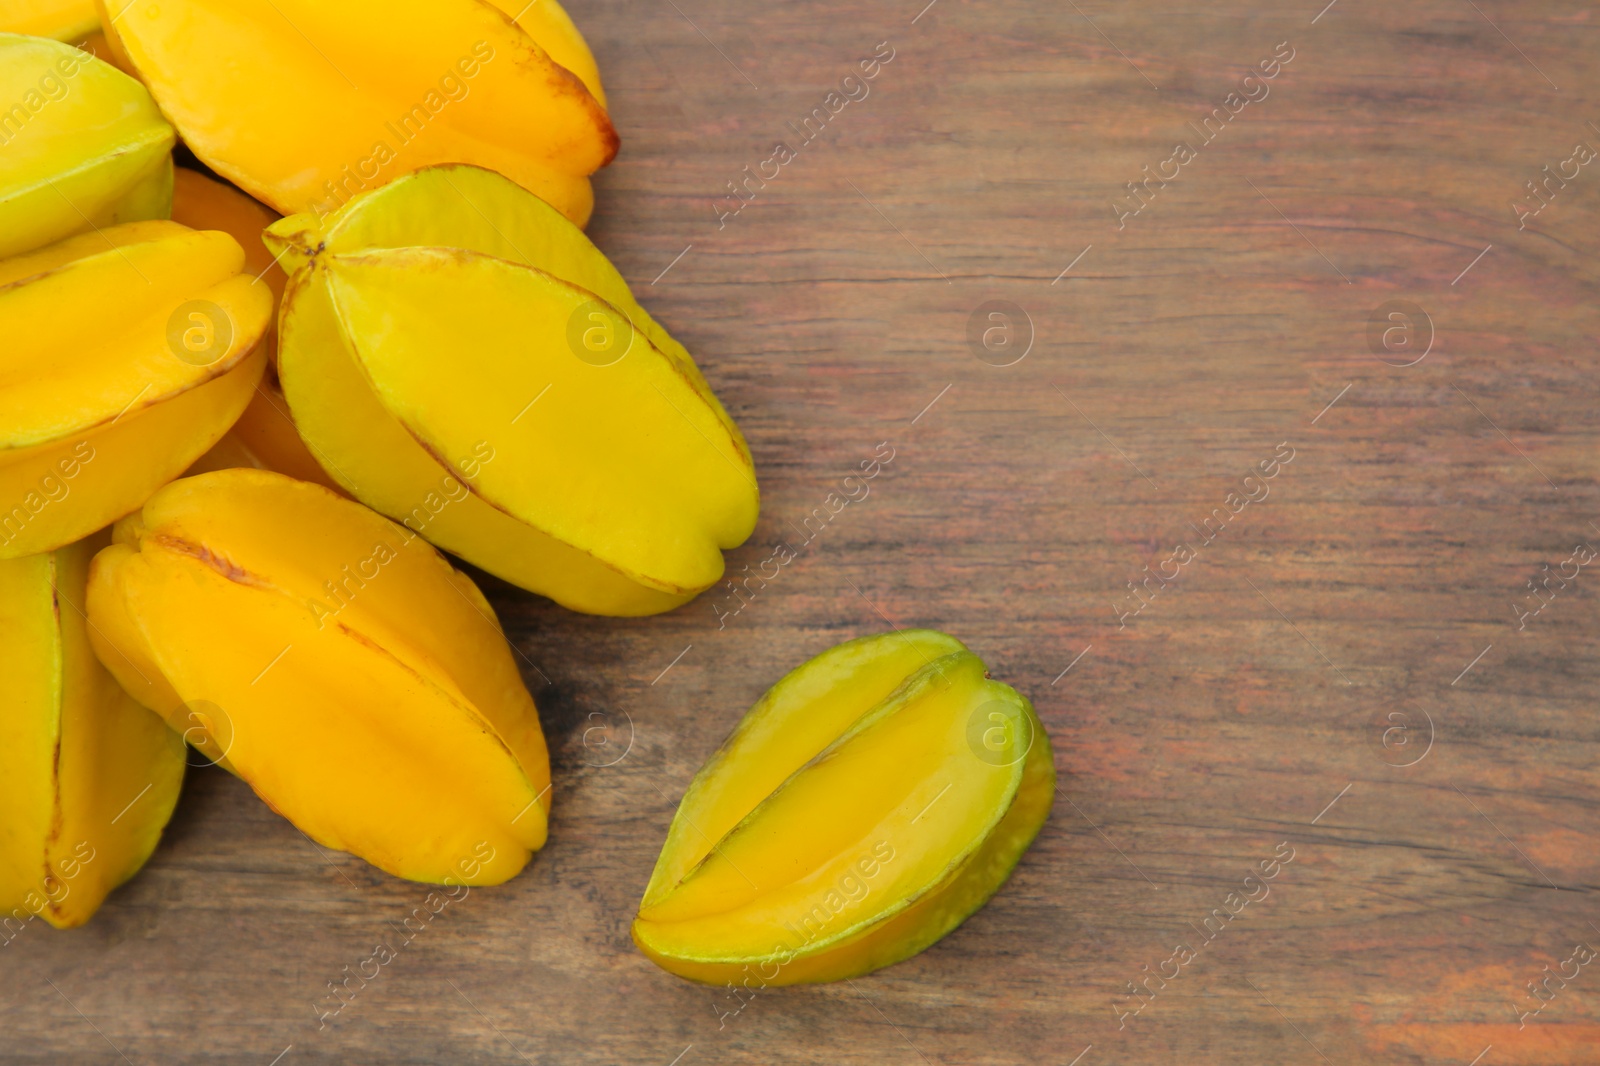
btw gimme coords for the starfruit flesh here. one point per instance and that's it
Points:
(418, 337)
(360, 685)
(97, 409)
(64, 20)
(83, 145)
(303, 103)
(864, 807)
(88, 778)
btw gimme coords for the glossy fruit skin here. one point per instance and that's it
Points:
(63, 20)
(417, 341)
(97, 411)
(362, 92)
(88, 778)
(83, 143)
(841, 730)
(356, 681)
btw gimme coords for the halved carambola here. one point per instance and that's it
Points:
(356, 681)
(304, 103)
(81, 145)
(127, 353)
(461, 358)
(867, 805)
(88, 778)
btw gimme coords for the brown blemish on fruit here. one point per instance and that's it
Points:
(563, 82)
(221, 564)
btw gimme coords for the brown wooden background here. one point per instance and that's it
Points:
(1223, 720)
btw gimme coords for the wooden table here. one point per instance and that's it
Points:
(1341, 672)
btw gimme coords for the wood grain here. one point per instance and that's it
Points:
(1246, 706)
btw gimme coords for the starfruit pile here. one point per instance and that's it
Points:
(139, 387)
(863, 808)
(241, 413)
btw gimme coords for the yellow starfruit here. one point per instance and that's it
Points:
(868, 804)
(264, 437)
(355, 680)
(128, 352)
(82, 145)
(548, 23)
(64, 20)
(201, 203)
(98, 46)
(304, 103)
(88, 778)
(463, 359)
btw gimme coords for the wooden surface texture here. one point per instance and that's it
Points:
(1347, 666)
